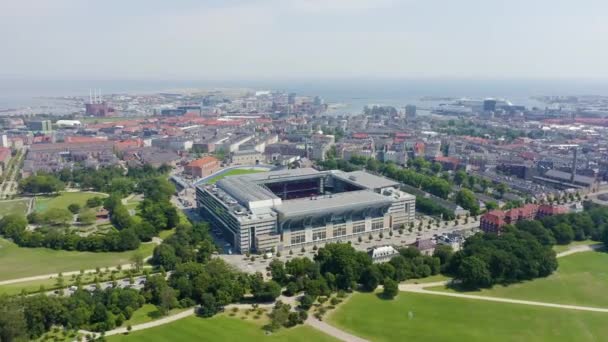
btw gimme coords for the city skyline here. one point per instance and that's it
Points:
(272, 39)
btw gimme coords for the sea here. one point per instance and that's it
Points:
(348, 95)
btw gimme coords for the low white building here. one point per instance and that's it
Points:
(382, 254)
(68, 123)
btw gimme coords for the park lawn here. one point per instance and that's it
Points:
(581, 279)
(164, 234)
(427, 317)
(29, 286)
(19, 262)
(63, 200)
(13, 207)
(563, 248)
(147, 313)
(430, 279)
(220, 328)
(234, 172)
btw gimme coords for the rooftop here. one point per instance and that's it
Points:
(331, 203)
(203, 161)
(366, 180)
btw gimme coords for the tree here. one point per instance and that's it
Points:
(466, 199)
(279, 316)
(370, 278)
(277, 270)
(474, 273)
(57, 217)
(563, 233)
(94, 202)
(306, 302)
(137, 261)
(41, 184)
(502, 188)
(164, 255)
(391, 288)
(87, 217)
(444, 253)
(491, 205)
(168, 300)
(536, 228)
(208, 305)
(74, 208)
(12, 225)
(13, 325)
(459, 177)
(267, 292)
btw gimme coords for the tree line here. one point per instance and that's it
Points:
(29, 317)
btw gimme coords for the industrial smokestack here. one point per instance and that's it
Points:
(574, 165)
(90, 95)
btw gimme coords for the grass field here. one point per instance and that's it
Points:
(581, 279)
(424, 317)
(234, 172)
(63, 200)
(220, 328)
(13, 207)
(164, 234)
(17, 262)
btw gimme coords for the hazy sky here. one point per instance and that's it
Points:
(238, 39)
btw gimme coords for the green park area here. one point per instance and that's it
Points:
(581, 279)
(18, 206)
(148, 313)
(18, 262)
(427, 317)
(220, 328)
(64, 199)
(234, 172)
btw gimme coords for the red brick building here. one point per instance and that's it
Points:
(202, 167)
(493, 221)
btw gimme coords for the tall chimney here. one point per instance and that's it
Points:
(574, 165)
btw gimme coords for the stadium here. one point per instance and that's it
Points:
(300, 207)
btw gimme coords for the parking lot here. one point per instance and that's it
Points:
(138, 284)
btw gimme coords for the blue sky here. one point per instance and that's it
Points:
(278, 39)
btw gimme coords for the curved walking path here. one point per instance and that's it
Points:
(420, 288)
(143, 326)
(313, 322)
(581, 248)
(333, 331)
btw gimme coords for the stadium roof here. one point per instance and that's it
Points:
(367, 180)
(331, 203)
